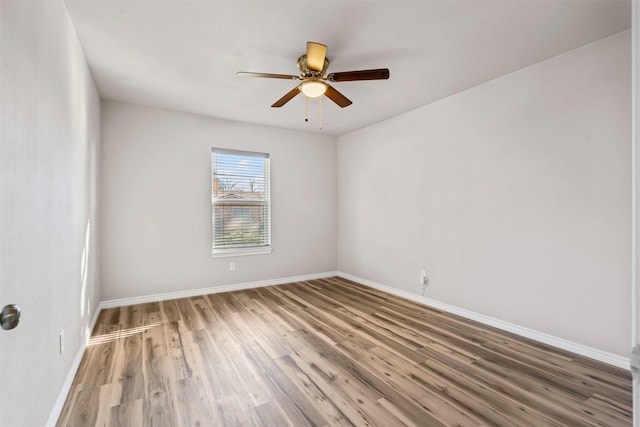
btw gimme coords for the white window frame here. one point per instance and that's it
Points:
(246, 250)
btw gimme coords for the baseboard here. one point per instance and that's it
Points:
(66, 386)
(593, 353)
(212, 290)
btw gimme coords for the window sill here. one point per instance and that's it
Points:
(224, 253)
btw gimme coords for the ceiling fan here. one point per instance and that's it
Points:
(313, 66)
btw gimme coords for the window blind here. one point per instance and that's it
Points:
(240, 201)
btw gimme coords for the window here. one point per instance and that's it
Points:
(240, 202)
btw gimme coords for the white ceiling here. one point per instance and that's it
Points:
(183, 55)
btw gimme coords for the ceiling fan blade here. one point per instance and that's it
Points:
(316, 53)
(287, 97)
(268, 75)
(337, 97)
(349, 76)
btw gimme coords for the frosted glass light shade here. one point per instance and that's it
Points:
(313, 88)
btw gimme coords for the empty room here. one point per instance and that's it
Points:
(350, 213)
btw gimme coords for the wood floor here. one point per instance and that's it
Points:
(328, 352)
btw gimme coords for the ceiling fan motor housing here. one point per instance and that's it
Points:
(306, 72)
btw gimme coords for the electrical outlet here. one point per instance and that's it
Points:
(232, 266)
(424, 280)
(61, 343)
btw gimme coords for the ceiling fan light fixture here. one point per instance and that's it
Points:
(313, 66)
(313, 88)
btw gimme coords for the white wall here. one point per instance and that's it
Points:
(635, 75)
(514, 195)
(156, 201)
(48, 167)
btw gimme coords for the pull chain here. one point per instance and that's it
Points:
(306, 108)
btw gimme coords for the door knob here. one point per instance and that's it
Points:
(10, 316)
